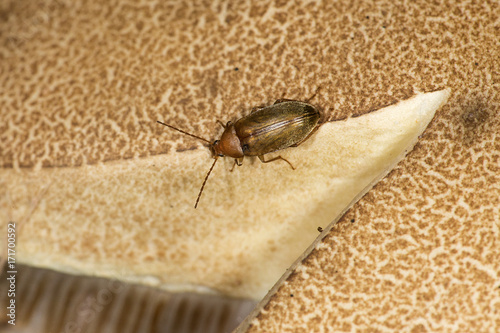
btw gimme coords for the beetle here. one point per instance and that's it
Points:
(286, 123)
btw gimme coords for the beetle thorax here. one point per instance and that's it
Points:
(229, 144)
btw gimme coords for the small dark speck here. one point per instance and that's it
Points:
(320, 229)
(476, 63)
(367, 16)
(291, 295)
(236, 68)
(383, 26)
(353, 220)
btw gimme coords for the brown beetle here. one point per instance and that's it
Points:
(286, 123)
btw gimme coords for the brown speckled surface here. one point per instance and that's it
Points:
(83, 82)
(419, 253)
(91, 79)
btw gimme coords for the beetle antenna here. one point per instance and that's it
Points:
(204, 182)
(175, 128)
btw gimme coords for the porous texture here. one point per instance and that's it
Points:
(420, 252)
(84, 82)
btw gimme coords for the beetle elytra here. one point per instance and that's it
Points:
(286, 123)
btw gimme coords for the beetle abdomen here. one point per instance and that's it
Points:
(276, 127)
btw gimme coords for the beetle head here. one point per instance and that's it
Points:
(215, 148)
(229, 144)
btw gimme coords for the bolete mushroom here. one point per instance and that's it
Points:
(96, 187)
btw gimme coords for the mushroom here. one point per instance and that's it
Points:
(89, 177)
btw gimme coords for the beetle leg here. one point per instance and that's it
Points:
(281, 100)
(220, 122)
(261, 158)
(237, 162)
(257, 108)
(315, 93)
(232, 168)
